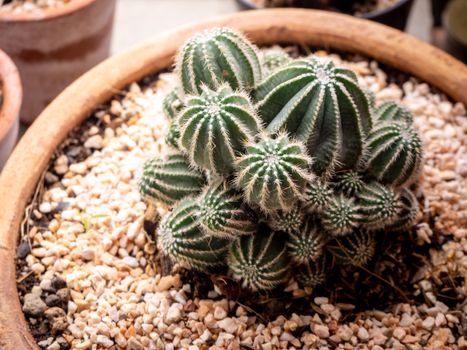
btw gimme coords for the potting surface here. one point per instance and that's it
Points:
(88, 278)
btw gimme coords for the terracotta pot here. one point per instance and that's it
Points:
(33, 153)
(395, 16)
(10, 84)
(53, 47)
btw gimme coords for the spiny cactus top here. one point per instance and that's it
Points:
(217, 56)
(320, 104)
(169, 179)
(394, 153)
(273, 173)
(260, 261)
(215, 126)
(182, 238)
(392, 111)
(283, 167)
(222, 213)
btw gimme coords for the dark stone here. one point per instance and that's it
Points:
(23, 250)
(53, 300)
(58, 283)
(64, 295)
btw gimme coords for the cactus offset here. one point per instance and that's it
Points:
(172, 104)
(307, 243)
(407, 214)
(317, 196)
(260, 261)
(392, 111)
(273, 173)
(379, 205)
(214, 128)
(173, 134)
(222, 213)
(341, 216)
(274, 59)
(394, 153)
(348, 182)
(217, 56)
(183, 239)
(357, 248)
(312, 273)
(169, 180)
(321, 105)
(287, 221)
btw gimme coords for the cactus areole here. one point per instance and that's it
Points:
(277, 166)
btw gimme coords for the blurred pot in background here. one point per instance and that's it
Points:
(455, 23)
(54, 46)
(394, 13)
(10, 103)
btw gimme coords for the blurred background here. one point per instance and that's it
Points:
(138, 20)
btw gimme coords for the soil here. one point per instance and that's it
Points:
(392, 277)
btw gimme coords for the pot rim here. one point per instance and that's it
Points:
(46, 14)
(368, 15)
(266, 27)
(12, 90)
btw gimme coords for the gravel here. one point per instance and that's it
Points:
(31, 5)
(116, 296)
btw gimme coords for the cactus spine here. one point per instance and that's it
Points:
(169, 180)
(217, 56)
(260, 261)
(215, 127)
(182, 238)
(273, 173)
(321, 105)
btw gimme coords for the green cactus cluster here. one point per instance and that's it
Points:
(278, 168)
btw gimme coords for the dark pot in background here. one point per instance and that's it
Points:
(9, 107)
(395, 16)
(53, 47)
(455, 23)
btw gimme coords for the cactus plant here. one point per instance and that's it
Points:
(317, 196)
(341, 216)
(169, 180)
(173, 134)
(349, 182)
(357, 248)
(172, 104)
(392, 111)
(274, 176)
(273, 59)
(215, 126)
(408, 212)
(312, 273)
(273, 173)
(379, 205)
(394, 153)
(260, 261)
(217, 56)
(320, 104)
(222, 213)
(183, 239)
(288, 221)
(306, 243)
